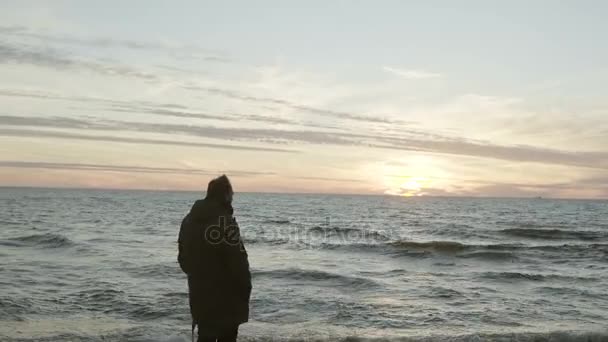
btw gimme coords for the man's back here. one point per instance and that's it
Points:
(211, 253)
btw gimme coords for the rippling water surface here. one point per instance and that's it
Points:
(101, 266)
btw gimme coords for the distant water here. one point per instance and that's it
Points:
(84, 265)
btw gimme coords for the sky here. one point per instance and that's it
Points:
(410, 98)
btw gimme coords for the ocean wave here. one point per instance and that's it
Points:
(13, 223)
(443, 292)
(574, 248)
(557, 336)
(543, 224)
(139, 334)
(509, 276)
(271, 240)
(439, 246)
(349, 233)
(554, 336)
(317, 237)
(569, 291)
(315, 276)
(38, 240)
(12, 306)
(99, 295)
(481, 251)
(164, 270)
(490, 255)
(414, 247)
(540, 233)
(376, 242)
(277, 221)
(108, 300)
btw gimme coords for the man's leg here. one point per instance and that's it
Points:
(229, 335)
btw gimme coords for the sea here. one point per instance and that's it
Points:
(100, 265)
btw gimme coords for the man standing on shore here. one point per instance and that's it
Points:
(212, 254)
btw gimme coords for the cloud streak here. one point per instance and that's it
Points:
(332, 179)
(300, 107)
(22, 54)
(411, 74)
(105, 138)
(125, 168)
(176, 50)
(54, 59)
(444, 145)
(167, 109)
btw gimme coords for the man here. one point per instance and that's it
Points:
(212, 254)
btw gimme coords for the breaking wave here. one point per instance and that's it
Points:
(38, 240)
(549, 234)
(530, 276)
(315, 276)
(277, 221)
(439, 246)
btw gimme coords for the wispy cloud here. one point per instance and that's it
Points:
(411, 74)
(332, 179)
(441, 145)
(105, 138)
(177, 110)
(58, 60)
(233, 94)
(162, 109)
(124, 168)
(176, 50)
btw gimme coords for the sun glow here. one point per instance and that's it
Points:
(408, 186)
(413, 175)
(412, 186)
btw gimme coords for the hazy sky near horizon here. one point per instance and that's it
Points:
(476, 98)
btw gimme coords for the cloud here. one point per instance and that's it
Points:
(332, 179)
(169, 112)
(54, 59)
(521, 153)
(45, 57)
(411, 74)
(590, 187)
(555, 125)
(311, 109)
(166, 109)
(600, 181)
(441, 145)
(175, 50)
(162, 109)
(12, 29)
(104, 138)
(125, 168)
(267, 135)
(159, 110)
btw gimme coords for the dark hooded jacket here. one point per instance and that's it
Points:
(212, 254)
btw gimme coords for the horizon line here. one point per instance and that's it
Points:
(303, 193)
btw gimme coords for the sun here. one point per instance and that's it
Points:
(414, 183)
(412, 186)
(412, 175)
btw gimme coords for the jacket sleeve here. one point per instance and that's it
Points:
(182, 247)
(236, 258)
